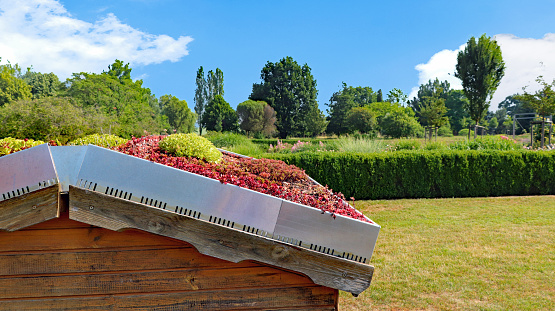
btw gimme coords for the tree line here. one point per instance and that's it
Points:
(39, 106)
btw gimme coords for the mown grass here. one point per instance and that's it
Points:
(461, 254)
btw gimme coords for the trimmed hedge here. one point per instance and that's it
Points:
(430, 174)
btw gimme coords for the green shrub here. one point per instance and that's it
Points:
(190, 145)
(464, 132)
(408, 144)
(399, 125)
(104, 140)
(10, 145)
(445, 131)
(435, 145)
(430, 174)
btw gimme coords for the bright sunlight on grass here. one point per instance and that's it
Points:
(461, 254)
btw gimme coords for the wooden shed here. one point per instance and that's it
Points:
(80, 249)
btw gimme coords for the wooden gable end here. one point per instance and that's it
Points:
(64, 264)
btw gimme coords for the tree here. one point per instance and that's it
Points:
(256, 117)
(219, 116)
(119, 71)
(455, 103)
(397, 96)
(433, 110)
(441, 88)
(215, 83)
(314, 122)
(42, 84)
(51, 118)
(480, 67)
(515, 106)
(12, 86)
(200, 97)
(251, 116)
(381, 109)
(503, 126)
(180, 117)
(117, 96)
(207, 89)
(508, 123)
(389, 115)
(362, 119)
(542, 101)
(397, 124)
(341, 102)
(291, 90)
(269, 128)
(379, 98)
(493, 123)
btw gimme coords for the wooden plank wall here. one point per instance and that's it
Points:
(62, 264)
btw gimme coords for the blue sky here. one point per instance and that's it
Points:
(381, 44)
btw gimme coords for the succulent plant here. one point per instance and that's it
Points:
(10, 145)
(190, 145)
(104, 140)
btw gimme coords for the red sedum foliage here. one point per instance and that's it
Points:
(267, 176)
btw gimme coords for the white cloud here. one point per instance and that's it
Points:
(525, 59)
(42, 34)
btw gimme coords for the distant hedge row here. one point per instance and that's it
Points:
(430, 174)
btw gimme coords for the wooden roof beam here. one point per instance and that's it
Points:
(230, 244)
(29, 209)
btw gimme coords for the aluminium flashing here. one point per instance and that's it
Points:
(175, 190)
(68, 160)
(340, 236)
(26, 171)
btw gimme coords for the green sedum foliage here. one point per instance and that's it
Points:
(10, 145)
(190, 145)
(105, 140)
(430, 174)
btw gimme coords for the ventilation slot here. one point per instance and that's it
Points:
(254, 230)
(186, 212)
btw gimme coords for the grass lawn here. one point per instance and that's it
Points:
(461, 254)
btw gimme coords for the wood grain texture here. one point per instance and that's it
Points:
(80, 238)
(29, 209)
(62, 222)
(217, 241)
(146, 282)
(109, 260)
(305, 298)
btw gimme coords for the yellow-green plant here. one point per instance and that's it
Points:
(10, 145)
(104, 140)
(190, 145)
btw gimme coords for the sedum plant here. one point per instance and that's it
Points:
(190, 145)
(104, 140)
(10, 145)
